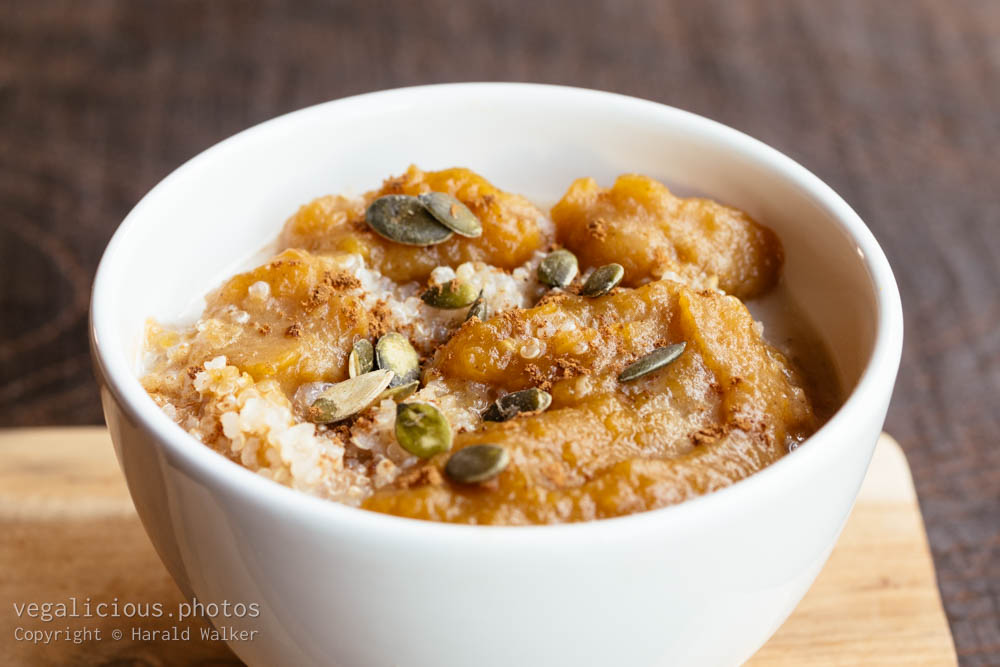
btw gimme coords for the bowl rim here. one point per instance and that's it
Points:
(213, 469)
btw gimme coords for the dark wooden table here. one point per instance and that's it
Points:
(895, 104)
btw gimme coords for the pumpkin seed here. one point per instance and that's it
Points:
(422, 430)
(513, 404)
(450, 295)
(479, 308)
(558, 268)
(349, 397)
(307, 393)
(404, 219)
(452, 213)
(655, 360)
(477, 463)
(603, 280)
(393, 352)
(402, 391)
(361, 359)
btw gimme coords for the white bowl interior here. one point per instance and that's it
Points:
(206, 219)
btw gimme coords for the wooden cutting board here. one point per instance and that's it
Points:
(69, 530)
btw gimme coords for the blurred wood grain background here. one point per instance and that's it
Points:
(896, 104)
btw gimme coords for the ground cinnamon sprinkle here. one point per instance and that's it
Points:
(551, 298)
(708, 434)
(357, 420)
(567, 367)
(516, 323)
(597, 228)
(317, 297)
(425, 475)
(380, 319)
(294, 330)
(331, 283)
(537, 378)
(466, 325)
(341, 280)
(339, 432)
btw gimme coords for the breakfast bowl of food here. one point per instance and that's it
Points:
(494, 374)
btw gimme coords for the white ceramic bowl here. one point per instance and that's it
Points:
(705, 582)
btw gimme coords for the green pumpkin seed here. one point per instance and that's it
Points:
(450, 295)
(477, 463)
(402, 391)
(452, 213)
(603, 280)
(513, 404)
(393, 352)
(361, 359)
(558, 268)
(349, 397)
(655, 360)
(404, 219)
(422, 430)
(479, 308)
